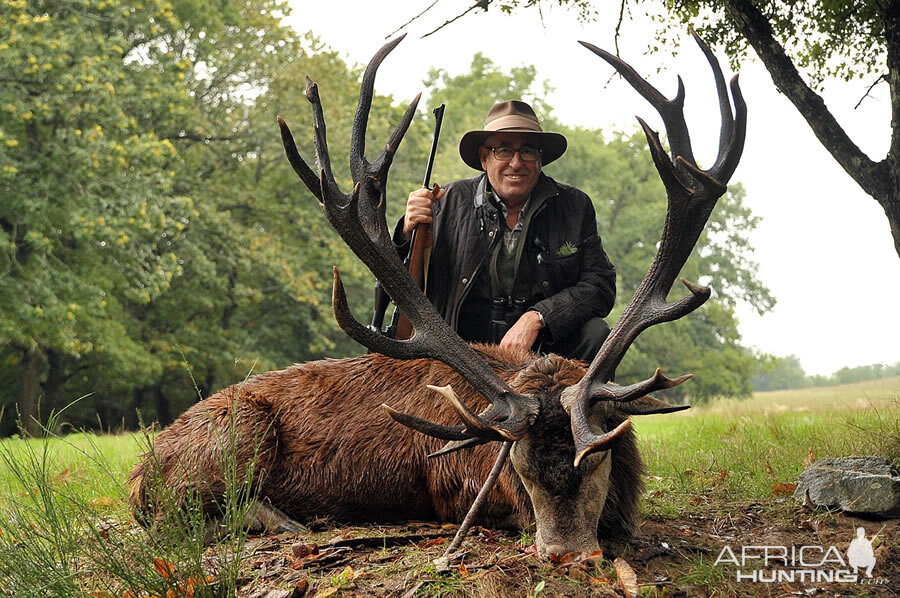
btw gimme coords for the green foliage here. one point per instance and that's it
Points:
(776, 373)
(153, 242)
(826, 38)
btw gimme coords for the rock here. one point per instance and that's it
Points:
(868, 485)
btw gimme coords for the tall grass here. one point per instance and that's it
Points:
(65, 528)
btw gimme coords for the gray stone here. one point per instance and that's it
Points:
(854, 484)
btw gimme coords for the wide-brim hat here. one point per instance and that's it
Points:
(511, 116)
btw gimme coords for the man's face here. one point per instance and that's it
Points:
(512, 180)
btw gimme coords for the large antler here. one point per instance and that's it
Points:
(692, 195)
(360, 220)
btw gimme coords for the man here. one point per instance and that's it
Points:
(515, 236)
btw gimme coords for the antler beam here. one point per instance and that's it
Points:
(692, 195)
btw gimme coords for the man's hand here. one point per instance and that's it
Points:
(524, 332)
(418, 208)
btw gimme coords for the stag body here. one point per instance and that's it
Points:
(326, 450)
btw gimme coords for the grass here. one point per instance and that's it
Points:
(65, 529)
(749, 450)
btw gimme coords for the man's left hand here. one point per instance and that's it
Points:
(523, 333)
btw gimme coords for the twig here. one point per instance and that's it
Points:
(480, 4)
(880, 78)
(473, 510)
(430, 6)
(619, 25)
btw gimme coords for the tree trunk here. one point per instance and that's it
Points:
(55, 384)
(30, 392)
(163, 409)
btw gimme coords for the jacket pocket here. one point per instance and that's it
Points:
(565, 270)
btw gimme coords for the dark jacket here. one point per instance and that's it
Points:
(563, 271)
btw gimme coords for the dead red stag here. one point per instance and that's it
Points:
(323, 450)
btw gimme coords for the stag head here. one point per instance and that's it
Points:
(564, 421)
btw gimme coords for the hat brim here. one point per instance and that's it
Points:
(553, 145)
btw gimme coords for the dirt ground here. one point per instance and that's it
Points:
(669, 558)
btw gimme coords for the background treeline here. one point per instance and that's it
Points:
(778, 373)
(155, 244)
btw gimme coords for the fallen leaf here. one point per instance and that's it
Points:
(769, 469)
(430, 543)
(326, 592)
(723, 473)
(462, 570)
(783, 488)
(164, 568)
(626, 577)
(598, 580)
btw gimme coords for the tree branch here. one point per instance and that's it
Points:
(881, 77)
(483, 4)
(750, 22)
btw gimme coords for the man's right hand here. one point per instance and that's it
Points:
(418, 208)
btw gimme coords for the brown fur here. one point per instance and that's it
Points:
(325, 448)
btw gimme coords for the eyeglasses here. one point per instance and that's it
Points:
(527, 153)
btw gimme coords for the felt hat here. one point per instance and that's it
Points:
(511, 116)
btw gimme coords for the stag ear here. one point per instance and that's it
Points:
(648, 405)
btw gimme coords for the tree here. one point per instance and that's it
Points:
(843, 38)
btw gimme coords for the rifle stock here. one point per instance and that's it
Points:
(421, 242)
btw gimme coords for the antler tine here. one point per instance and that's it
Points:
(360, 220)
(330, 188)
(305, 173)
(731, 137)
(361, 120)
(671, 111)
(692, 195)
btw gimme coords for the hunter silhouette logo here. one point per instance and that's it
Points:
(860, 555)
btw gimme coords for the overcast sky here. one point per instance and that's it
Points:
(824, 246)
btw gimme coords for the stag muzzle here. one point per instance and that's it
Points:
(567, 500)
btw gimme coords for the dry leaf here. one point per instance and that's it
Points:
(164, 568)
(462, 570)
(783, 488)
(626, 577)
(430, 543)
(326, 592)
